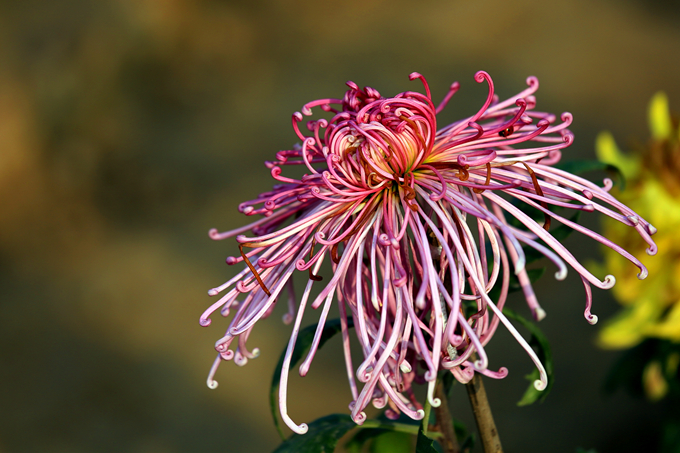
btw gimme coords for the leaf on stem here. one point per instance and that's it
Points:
(322, 437)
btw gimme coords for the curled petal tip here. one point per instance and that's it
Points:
(212, 384)
(561, 274)
(414, 75)
(651, 250)
(643, 273)
(480, 76)
(204, 322)
(591, 318)
(359, 418)
(213, 292)
(435, 402)
(540, 385)
(405, 367)
(214, 233)
(651, 229)
(609, 282)
(302, 428)
(420, 414)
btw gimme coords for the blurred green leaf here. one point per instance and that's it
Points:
(578, 167)
(670, 436)
(539, 343)
(628, 369)
(356, 443)
(560, 232)
(513, 285)
(583, 450)
(302, 345)
(659, 117)
(392, 442)
(322, 437)
(377, 427)
(465, 438)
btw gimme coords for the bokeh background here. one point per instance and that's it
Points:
(128, 128)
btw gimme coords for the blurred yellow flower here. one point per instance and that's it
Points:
(651, 307)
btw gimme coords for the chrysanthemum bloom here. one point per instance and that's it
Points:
(652, 309)
(419, 225)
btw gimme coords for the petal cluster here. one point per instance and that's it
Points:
(422, 231)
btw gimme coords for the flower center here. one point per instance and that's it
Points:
(386, 139)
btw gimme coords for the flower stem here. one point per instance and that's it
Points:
(483, 416)
(449, 442)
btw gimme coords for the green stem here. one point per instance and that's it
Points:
(426, 418)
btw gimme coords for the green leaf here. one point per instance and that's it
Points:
(627, 370)
(356, 443)
(322, 437)
(539, 343)
(392, 442)
(424, 444)
(578, 167)
(670, 436)
(374, 428)
(560, 232)
(583, 450)
(533, 274)
(466, 439)
(302, 345)
(513, 285)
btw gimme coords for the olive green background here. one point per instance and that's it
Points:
(129, 128)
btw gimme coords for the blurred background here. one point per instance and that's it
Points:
(128, 128)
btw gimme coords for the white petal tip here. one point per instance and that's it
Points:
(539, 314)
(540, 385)
(609, 282)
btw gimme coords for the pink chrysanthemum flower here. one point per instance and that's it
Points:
(414, 222)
